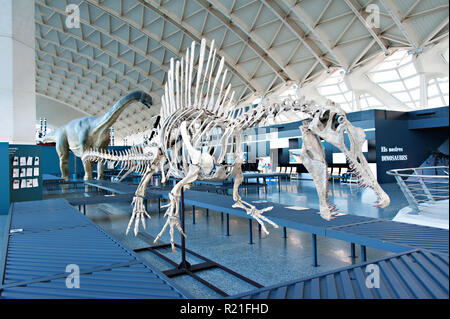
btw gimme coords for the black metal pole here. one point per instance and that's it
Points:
(183, 263)
(314, 247)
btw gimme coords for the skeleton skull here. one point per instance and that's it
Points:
(331, 124)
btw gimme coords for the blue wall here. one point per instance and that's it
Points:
(28, 193)
(4, 178)
(417, 142)
(418, 133)
(364, 119)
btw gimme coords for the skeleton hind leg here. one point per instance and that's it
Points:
(172, 212)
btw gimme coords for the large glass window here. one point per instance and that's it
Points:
(438, 92)
(335, 89)
(398, 76)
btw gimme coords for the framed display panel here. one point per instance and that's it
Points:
(292, 158)
(4, 178)
(25, 172)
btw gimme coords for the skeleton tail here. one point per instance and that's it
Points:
(132, 160)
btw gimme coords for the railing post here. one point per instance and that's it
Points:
(425, 188)
(409, 196)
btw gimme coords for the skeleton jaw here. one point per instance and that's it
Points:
(367, 180)
(331, 125)
(359, 164)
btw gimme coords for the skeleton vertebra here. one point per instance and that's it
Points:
(191, 116)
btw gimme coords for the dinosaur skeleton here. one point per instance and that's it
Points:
(194, 115)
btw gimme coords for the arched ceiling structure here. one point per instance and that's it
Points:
(124, 45)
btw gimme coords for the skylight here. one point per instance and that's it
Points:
(398, 76)
(335, 89)
(438, 92)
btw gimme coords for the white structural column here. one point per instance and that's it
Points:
(17, 74)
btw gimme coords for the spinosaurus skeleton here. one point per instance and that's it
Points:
(192, 117)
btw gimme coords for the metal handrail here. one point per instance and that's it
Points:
(419, 188)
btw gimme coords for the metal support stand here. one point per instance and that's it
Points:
(159, 206)
(314, 248)
(207, 212)
(228, 225)
(250, 232)
(284, 232)
(185, 268)
(363, 253)
(353, 250)
(193, 214)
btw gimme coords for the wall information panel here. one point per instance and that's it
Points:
(25, 173)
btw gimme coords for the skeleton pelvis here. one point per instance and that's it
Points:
(206, 163)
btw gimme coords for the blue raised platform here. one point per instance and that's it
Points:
(378, 233)
(415, 274)
(46, 236)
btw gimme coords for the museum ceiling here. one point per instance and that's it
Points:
(124, 45)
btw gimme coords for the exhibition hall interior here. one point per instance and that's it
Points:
(224, 149)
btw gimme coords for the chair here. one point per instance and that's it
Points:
(353, 178)
(283, 169)
(288, 170)
(277, 170)
(294, 171)
(330, 172)
(334, 173)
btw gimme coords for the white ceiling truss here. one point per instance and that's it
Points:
(124, 45)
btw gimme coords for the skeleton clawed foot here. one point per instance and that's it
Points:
(256, 214)
(138, 215)
(173, 222)
(329, 213)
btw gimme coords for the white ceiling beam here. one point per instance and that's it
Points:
(236, 70)
(433, 33)
(78, 55)
(394, 12)
(297, 31)
(362, 15)
(304, 18)
(233, 23)
(118, 40)
(112, 54)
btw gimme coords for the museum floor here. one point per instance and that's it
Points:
(271, 259)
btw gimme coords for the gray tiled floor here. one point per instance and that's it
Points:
(271, 259)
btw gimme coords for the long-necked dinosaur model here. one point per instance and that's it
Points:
(199, 126)
(90, 132)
